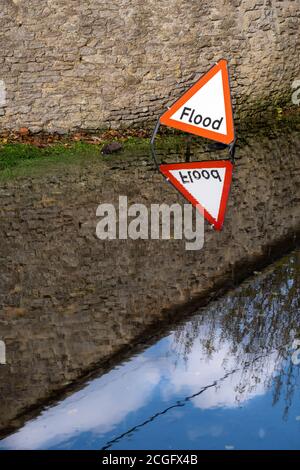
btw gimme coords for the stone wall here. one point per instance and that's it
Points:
(69, 64)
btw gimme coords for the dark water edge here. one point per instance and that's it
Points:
(224, 379)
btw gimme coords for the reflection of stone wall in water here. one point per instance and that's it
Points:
(69, 301)
(70, 64)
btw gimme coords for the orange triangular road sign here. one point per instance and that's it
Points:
(205, 109)
(205, 184)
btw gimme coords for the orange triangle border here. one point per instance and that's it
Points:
(167, 120)
(165, 169)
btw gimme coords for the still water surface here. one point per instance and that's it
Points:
(225, 379)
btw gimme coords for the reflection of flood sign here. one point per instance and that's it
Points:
(205, 109)
(204, 184)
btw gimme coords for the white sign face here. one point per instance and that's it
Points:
(205, 109)
(205, 184)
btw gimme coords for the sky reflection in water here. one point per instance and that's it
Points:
(223, 380)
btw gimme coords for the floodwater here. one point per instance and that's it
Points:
(75, 308)
(227, 378)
